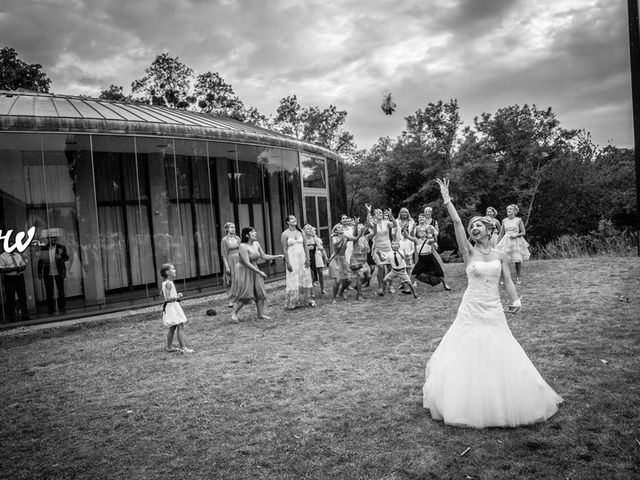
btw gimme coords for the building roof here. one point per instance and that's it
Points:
(44, 112)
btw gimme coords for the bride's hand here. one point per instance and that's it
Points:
(515, 307)
(444, 189)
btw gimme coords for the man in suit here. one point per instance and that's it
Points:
(52, 268)
(12, 266)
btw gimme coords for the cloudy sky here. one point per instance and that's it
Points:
(571, 55)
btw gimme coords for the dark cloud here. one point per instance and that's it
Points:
(571, 55)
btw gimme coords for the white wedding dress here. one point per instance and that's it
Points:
(479, 376)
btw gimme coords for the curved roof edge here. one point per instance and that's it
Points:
(42, 112)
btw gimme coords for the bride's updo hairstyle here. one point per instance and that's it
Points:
(486, 221)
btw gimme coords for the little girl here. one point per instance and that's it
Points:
(172, 314)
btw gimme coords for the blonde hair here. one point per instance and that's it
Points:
(515, 207)
(227, 225)
(486, 221)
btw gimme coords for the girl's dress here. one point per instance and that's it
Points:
(427, 269)
(479, 376)
(338, 265)
(407, 247)
(173, 313)
(298, 282)
(517, 249)
(247, 285)
(318, 253)
(230, 249)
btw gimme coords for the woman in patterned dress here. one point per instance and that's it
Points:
(230, 250)
(248, 282)
(298, 283)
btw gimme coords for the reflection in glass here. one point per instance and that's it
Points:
(313, 171)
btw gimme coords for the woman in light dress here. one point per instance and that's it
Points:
(382, 233)
(404, 223)
(479, 376)
(491, 214)
(317, 256)
(230, 250)
(298, 282)
(248, 281)
(511, 240)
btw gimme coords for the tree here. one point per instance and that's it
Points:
(435, 128)
(290, 117)
(363, 177)
(215, 96)
(15, 73)
(114, 92)
(167, 82)
(313, 125)
(524, 142)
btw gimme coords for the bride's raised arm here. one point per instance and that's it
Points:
(461, 235)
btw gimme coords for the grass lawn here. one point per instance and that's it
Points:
(331, 392)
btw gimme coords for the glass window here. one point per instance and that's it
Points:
(313, 171)
(337, 190)
(249, 186)
(123, 211)
(46, 184)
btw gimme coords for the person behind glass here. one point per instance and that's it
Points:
(298, 281)
(511, 240)
(172, 314)
(338, 266)
(12, 267)
(398, 267)
(381, 230)
(491, 213)
(230, 250)
(429, 220)
(52, 269)
(248, 281)
(317, 256)
(479, 376)
(429, 267)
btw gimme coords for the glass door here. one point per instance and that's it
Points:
(317, 214)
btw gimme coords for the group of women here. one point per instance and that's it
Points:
(479, 376)
(245, 280)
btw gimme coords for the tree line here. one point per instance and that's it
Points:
(562, 181)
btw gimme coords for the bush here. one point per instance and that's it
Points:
(607, 240)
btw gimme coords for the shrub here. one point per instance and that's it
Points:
(606, 240)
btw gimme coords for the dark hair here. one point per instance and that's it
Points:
(164, 269)
(244, 236)
(297, 226)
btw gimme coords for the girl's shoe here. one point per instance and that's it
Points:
(172, 349)
(264, 317)
(518, 281)
(446, 287)
(187, 350)
(230, 305)
(234, 317)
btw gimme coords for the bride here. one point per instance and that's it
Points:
(479, 376)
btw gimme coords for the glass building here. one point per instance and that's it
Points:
(125, 188)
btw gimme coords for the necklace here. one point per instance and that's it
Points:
(485, 253)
